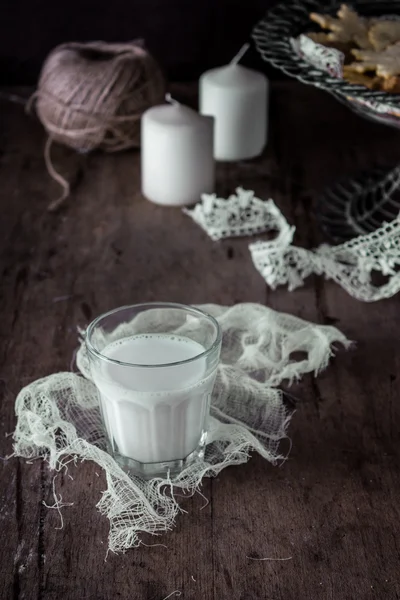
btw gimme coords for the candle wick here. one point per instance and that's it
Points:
(171, 100)
(238, 57)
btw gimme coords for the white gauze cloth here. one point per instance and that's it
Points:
(59, 417)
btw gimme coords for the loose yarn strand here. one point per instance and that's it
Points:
(53, 206)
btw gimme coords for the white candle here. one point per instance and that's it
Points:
(237, 98)
(177, 155)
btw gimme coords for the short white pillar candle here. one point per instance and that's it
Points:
(237, 98)
(176, 155)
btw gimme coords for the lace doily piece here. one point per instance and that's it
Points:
(351, 264)
(329, 60)
(58, 417)
(241, 214)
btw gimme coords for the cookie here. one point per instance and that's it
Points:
(391, 85)
(349, 27)
(383, 34)
(385, 63)
(319, 37)
(370, 82)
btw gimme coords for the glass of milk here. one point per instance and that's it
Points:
(154, 366)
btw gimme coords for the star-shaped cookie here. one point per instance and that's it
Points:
(385, 63)
(383, 34)
(348, 27)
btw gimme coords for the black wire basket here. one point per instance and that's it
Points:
(359, 205)
(362, 204)
(273, 37)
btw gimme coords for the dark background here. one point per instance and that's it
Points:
(186, 37)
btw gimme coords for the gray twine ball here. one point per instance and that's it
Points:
(92, 95)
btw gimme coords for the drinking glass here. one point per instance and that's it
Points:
(154, 366)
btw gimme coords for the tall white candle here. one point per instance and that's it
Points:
(177, 155)
(237, 98)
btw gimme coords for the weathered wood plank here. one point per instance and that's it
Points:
(21, 485)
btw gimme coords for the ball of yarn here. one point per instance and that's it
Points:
(92, 95)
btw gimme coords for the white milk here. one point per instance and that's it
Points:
(154, 414)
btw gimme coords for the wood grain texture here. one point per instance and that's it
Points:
(332, 508)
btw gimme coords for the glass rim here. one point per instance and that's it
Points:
(177, 305)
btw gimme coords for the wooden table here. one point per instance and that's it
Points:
(334, 506)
